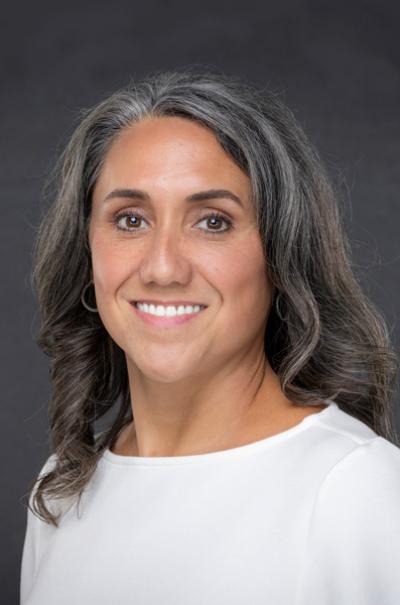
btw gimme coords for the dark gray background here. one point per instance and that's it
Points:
(336, 65)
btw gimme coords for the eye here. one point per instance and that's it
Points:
(133, 219)
(216, 218)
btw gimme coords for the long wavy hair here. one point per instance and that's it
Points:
(324, 338)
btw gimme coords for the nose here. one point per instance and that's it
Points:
(164, 260)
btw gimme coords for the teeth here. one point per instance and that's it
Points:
(169, 311)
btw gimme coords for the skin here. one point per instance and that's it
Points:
(205, 385)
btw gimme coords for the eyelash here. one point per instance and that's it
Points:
(214, 214)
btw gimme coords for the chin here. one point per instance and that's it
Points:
(162, 370)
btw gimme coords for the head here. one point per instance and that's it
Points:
(156, 233)
(279, 280)
(217, 132)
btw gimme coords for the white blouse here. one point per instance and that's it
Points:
(310, 516)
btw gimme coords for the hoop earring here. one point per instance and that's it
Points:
(88, 307)
(277, 308)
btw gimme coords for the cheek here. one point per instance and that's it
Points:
(111, 266)
(240, 276)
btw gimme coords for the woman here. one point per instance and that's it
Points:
(194, 278)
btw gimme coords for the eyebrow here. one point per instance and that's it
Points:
(200, 196)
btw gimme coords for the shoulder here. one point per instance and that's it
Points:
(362, 485)
(337, 421)
(353, 545)
(47, 466)
(357, 508)
(352, 451)
(374, 462)
(53, 505)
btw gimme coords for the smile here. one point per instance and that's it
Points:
(167, 315)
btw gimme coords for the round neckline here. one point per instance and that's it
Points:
(254, 446)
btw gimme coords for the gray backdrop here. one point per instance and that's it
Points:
(336, 65)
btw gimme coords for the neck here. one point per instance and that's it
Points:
(202, 413)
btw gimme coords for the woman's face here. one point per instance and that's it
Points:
(159, 246)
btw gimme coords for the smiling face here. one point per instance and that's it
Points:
(154, 244)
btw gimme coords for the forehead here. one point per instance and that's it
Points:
(168, 133)
(171, 151)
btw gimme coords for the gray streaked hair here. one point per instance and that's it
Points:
(324, 338)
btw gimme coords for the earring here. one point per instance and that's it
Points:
(277, 308)
(88, 307)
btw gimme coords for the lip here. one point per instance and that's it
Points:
(165, 322)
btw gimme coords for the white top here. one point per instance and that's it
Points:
(310, 516)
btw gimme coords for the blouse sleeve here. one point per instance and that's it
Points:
(353, 554)
(31, 547)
